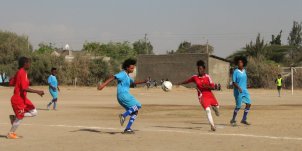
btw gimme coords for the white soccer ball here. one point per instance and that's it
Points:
(167, 86)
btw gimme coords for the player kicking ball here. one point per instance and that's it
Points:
(241, 93)
(125, 99)
(204, 86)
(22, 106)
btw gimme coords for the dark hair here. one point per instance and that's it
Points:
(52, 69)
(128, 63)
(22, 61)
(200, 63)
(242, 58)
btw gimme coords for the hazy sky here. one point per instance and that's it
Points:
(227, 24)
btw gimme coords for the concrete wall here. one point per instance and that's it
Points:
(179, 67)
(176, 67)
(219, 71)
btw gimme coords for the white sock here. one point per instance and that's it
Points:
(31, 113)
(209, 115)
(15, 125)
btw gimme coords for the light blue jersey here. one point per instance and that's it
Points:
(52, 80)
(123, 87)
(240, 77)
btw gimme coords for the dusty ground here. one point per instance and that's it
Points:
(87, 120)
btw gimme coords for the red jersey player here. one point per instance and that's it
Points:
(22, 106)
(204, 86)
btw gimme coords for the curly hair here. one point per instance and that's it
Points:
(242, 58)
(128, 63)
(200, 63)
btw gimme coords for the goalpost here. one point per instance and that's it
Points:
(291, 74)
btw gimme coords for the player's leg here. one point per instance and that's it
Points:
(129, 111)
(247, 101)
(210, 118)
(236, 110)
(131, 121)
(18, 107)
(12, 133)
(55, 103)
(279, 91)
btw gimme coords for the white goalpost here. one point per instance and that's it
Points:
(291, 74)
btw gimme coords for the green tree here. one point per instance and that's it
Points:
(187, 47)
(276, 40)
(294, 38)
(142, 47)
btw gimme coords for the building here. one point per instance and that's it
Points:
(179, 67)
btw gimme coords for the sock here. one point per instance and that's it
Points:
(49, 104)
(54, 105)
(31, 113)
(15, 125)
(131, 120)
(246, 111)
(235, 113)
(131, 110)
(209, 115)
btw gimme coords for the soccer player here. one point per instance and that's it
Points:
(125, 99)
(53, 88)
(204, 86)
(279, 81)
(21, 105)
(241, 92)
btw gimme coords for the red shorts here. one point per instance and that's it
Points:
(208, 99)
(21, 105)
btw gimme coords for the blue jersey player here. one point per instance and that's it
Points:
(125, 99)
(241, 92)
(53, 88)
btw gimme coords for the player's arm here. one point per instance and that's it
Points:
(103, 85)
(39, 92)
(140, 82)
(237, 87)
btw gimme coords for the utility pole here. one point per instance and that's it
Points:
(146, 45)
(207, 46)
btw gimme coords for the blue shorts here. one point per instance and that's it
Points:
(53, 93)
(242, 99)
(127, 101)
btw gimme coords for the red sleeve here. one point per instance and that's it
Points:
(190, 79)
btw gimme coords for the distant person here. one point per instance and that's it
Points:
(22, 106)
(53, 89)
(219, 87)
(204, 86)
(155, 83)
(125, 99)
(241, 92)
(279, 82)
(148, 84)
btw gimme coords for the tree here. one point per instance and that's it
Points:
(187, 47)
(276, 40)
(294, 38)
(45, 48)
(142, 47)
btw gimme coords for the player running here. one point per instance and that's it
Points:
(21, 105)
(279, 82)
(53, 88)
(125, 99)
(241, 92)
(204, 85)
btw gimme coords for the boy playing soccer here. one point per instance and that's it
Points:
(204, 85)
(279, 82)
(53, 88)
(22, 106)
(125, 99)
(241, 93)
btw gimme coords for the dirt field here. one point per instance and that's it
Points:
(88, 120)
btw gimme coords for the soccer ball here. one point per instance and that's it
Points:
(167, 86)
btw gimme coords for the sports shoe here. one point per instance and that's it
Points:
(233, 123)
(12, 118)
(12, 135)
(213, 128)
(122, 119)
(245, 122)
(216, 110)
(128, 131)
